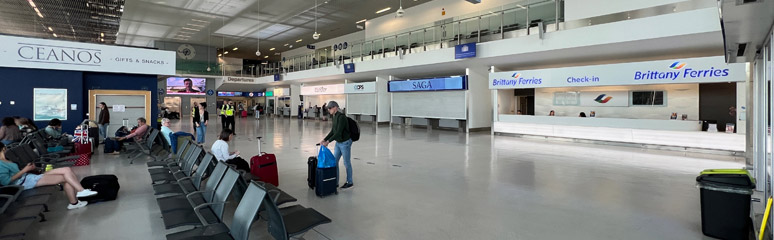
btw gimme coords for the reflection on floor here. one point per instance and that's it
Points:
(420, 184)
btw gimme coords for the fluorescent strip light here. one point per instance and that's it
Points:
(220, 55)
(190, 29)
(299, 40)
(265, 56)
(286, 45)
(383, 10)
(50, 29)
(38, 12)
(197, 20)
(225, 52)
(235, 49)
(360, 21)
(195, 25)
(32, 4)
(271, 49)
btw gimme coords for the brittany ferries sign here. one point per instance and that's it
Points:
(693, 70)
(20, 52)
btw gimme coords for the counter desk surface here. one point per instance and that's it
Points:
(677, 133)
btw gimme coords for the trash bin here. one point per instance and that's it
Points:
(725, 202)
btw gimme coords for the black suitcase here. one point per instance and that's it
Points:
(327, 182)
(312, 166)
(106, 187)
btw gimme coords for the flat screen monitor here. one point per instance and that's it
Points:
(229, 94)
(186, 86)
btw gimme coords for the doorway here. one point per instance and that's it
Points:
(525, 101)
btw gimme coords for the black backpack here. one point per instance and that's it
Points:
(106, 187)
(354, 130)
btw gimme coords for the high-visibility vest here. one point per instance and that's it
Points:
(230, 111)
(193, 110)
(223, 109)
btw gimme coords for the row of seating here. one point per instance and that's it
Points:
(193, 188)
(20, 209)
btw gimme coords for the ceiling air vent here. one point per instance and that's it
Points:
(740, 49)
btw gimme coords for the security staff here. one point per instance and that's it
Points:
(230, 117)
(223, 120)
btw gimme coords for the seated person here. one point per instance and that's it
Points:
(219, 149)
(165, 130)
(136, 135)
(54, 129)
(9, 132)
(10, 174)
(25, 125)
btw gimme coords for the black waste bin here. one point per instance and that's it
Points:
(725, 203)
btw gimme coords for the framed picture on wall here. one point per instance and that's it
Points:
(49, 103)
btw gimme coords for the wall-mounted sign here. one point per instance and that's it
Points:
(277, 77)
(692, 70)
(269, 94)
(20, 52)
(605, 99)
(229, 94)
(309, 46)
(252, 94)
(364, 87)
(432, 84)
(467, 50)
(281, 92)
(349, 68)
(322, 90)
(240, 80)
(210, 92)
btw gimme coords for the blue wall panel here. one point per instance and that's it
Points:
(16, 84)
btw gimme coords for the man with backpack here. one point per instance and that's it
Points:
(344, 132)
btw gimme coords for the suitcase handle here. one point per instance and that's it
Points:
(259, 146)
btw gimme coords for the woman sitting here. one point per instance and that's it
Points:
(220, 150)
(10, 174)
(9, 132)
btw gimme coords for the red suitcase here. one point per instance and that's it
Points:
(244, 113)
(264, 166)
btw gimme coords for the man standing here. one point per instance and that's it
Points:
(340, 133)
(103, 121)
(230, 117)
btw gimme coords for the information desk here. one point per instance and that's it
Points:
(677, 133)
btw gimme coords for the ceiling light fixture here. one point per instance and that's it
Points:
(286, 45)
(299, 40)
(265, 56)
(400, 11)
(55, 35)
(225, 52)
(102, 34)
(218, 56)
(50, 29)
(383, 10)
(316, 35)
(271, 49)
(190, 29)
(197, 20)
(360, 21)
(236, 48)
(195, 25)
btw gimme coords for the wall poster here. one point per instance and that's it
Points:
(49, 103)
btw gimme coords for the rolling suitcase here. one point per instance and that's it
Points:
(327, 182)
(312, 165)
(244, 114)
(264, 166)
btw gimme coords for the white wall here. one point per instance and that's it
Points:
(479, 98)
(319, 100)
(300, 48)
(382, 100)
(231, 64)
(681, 98)
(426, 14)
(580, 9)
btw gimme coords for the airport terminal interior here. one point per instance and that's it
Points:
(351, 119)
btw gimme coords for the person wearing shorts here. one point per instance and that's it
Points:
(10, 174)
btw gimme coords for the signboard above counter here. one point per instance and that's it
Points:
(692, 70)
(322, 90)
(430, 84)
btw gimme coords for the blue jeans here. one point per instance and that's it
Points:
(201, 130)
(103, 131)
(344, 149)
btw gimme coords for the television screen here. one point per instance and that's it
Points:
(229, 94)
(186, 86)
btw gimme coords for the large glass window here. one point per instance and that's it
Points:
(648, 98)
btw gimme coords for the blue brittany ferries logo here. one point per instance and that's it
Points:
(683, 72)
(517, 80)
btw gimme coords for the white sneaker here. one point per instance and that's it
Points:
(80, 204)
(85, 193)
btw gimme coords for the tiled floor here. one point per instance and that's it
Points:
(418, 184)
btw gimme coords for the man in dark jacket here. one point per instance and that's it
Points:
(103, 121)
(340, 134)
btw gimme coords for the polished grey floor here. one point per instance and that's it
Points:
(412, 183)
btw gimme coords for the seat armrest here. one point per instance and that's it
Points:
(188, 196)
(199, 214)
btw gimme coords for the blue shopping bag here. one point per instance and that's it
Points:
(325, 158)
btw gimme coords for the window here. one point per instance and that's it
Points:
(648, 98)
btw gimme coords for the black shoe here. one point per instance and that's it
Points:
(347, 186)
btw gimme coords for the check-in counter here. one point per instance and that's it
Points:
(675, 133)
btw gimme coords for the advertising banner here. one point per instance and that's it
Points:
(322, 90)
(431, 84)
(605, 99)
(21, 52)
(364, 87)
(692, 70)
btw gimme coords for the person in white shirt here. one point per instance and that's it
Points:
(165, 130)
(220, 150)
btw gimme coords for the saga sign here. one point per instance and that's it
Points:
(59, 54)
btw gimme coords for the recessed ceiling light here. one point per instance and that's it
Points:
(197, 20)
(383, 10)
(191, 29)
(265, 56)
(286, 45)
(360, 21)
(235, 49)
(299, 40)
(195, 25)
(271, 49)
(225, 52)
(50, 29)
(220, 54)
(55, 35)
(102, 34)
(102, 39)
(38, 12)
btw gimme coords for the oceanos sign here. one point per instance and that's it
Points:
(694, 70)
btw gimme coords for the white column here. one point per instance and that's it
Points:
(383, 103)
(479, 98)
(295, 99)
